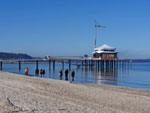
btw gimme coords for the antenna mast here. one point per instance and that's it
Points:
(95, 35)
(96, 31)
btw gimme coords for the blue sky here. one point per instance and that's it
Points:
(66, 27)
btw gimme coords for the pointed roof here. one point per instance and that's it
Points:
(104, 47)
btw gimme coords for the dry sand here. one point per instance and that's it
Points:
(23, 94)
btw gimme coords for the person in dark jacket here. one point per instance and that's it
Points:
(61, 74)
(41, 72)
(66, 74)
(73, 75)
(36, 71)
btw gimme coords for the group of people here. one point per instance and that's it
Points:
(42, 71)
(66, 74)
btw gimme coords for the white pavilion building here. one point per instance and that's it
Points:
(105, 52)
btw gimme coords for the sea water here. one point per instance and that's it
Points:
(135, 75)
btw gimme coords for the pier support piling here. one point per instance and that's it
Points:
(102, 65)
(49, 64)
(69, 64)
(19, 65)
(111, 64)
(53, 64)
(92, 63)
(89, 64)
(82, 63)
(62, 65)
(37, 65)
(1, 65)
(77, 64)
(98, 63)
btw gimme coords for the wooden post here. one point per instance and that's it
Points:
(69, 64)
(49, 65)
(53, 64)
(92, 63)
(1, 65)
(82, 62)
(89, 63)
(19, 65)
(85, 62)
(102, 65)
(37, 65)
(106, 64)
(98, 64)
(63, 65)
(77, 64)
(117, 63)
(111, 63)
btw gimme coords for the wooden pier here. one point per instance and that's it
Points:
(79, 62)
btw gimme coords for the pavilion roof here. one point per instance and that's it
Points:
(104, 47)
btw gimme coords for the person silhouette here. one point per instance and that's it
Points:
(26, 71)
(61, 74)
(66, 74)
(36, 71)
(73, 75)
(41, 72)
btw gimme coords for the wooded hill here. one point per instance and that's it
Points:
(4, 56)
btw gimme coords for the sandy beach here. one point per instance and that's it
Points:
(23, 94)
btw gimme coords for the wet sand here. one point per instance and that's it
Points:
(23, 94)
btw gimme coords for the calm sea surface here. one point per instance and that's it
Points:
(136, 75)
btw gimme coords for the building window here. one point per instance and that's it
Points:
(108, 56)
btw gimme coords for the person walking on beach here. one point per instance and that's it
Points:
(73, 75)
(60, 74)
(26, 71)
(41, 72)
(66, 74)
